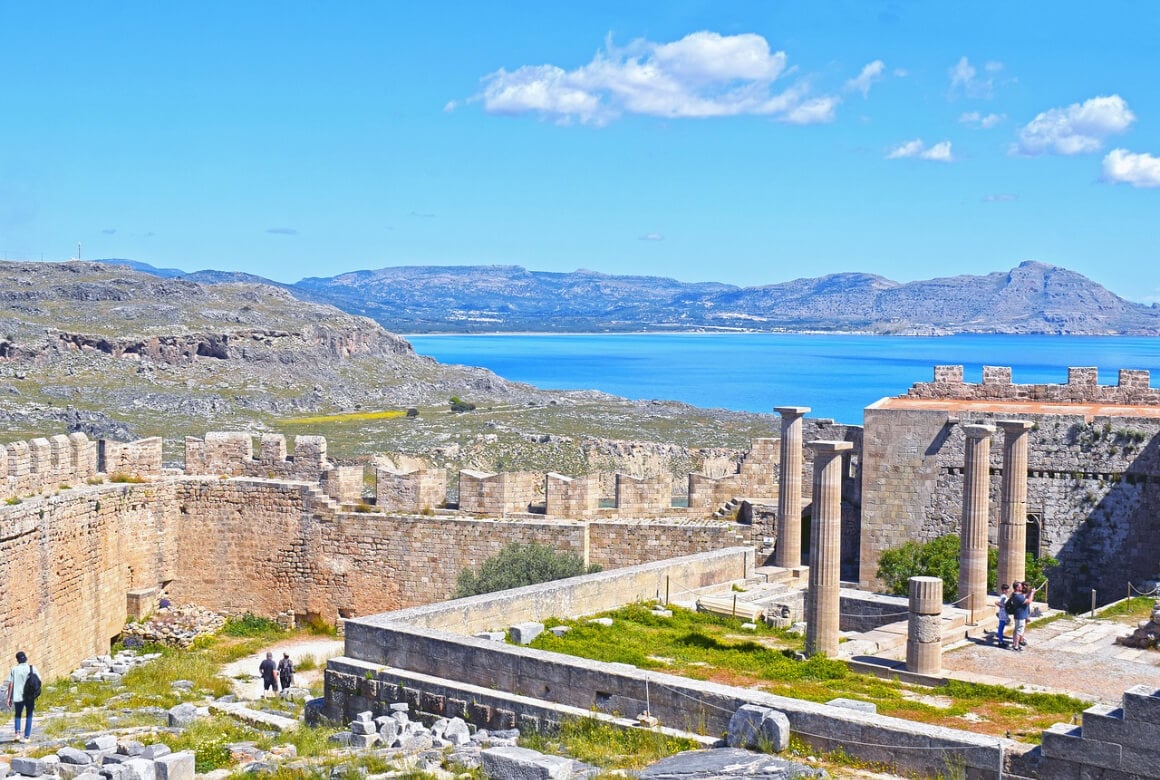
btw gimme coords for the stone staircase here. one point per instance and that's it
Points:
(728, 510)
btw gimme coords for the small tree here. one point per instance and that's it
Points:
(517, 565)
(459, 405)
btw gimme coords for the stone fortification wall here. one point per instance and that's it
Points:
(418, 490)
(644, 495)
(140, 458)
(500, 495)
(1132, 388)
(1093, 491)
(614, 544)
(756, 477)
(231, 454)
(571, 497)
(68, 561)
(344, 484)
(29, 467)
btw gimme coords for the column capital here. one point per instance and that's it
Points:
(791, 411)
(979, 431)
(1015, 426)
(823, 447)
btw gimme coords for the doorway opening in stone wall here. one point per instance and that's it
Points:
(1034, 524)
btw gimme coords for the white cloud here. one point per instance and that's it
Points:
(704, 74)
(450, 106)
(901, 73)
(1078, 129)
(652, 237)
(984, 121)
(940, 152)
(1139, 170)
(965, 80)
(1000, 197)
(871, 73)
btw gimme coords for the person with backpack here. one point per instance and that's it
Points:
(285, 671)
(1019, 605)
(23, 690)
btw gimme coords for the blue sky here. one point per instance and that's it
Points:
(749, 143)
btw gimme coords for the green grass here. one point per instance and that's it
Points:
(208, 739)
(607, 746)
(715, 648)
(1135, 607)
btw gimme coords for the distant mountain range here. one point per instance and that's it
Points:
(1031, 298)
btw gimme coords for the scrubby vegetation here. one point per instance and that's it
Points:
(517, 565)
(940, 558)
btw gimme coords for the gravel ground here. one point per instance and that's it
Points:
(1073, 655)
(251, 686)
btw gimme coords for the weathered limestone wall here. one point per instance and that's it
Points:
(1093, 490)
(614, 544)
(231, 454)
(419, 490)
(46, 464)
(344, 484)
(756, 478)
(643, 495)
(1132, 389)
(1119, 741)
(68, 561)
(498, 495)
(571, 497)
(140, 458)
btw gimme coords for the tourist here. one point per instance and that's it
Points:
(285, 671)
(269, 679)
(1021, 598)
(16, 698)
(1030, 593)
(1004, 594)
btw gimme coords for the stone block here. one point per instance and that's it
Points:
(727, 763)
(516, 763)
(176, 766)
(363, 740)
(758, 727)
(130, 747)
(1142, 702)
(72, 771)
(155, 751)
(560, 630)
(70, 755)
(868, 707)
(29, 767)
(139, 769)
(389, 731)
(182, 715)
(1066, 742)
(525, 633)
(456, 732)
(106, 742)
(362, 727)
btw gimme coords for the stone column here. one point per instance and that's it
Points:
(788, 553)
(924, 629)
(973, 530)
(1013, 510)
(822, 600)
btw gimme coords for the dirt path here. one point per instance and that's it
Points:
(244, 673)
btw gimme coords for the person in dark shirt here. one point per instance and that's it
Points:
(268, 669)
(285, 671)
(1021, 598)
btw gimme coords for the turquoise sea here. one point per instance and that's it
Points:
(836, 375)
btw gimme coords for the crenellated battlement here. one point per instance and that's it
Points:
(232, 454)
(1132, 389)
(40, 464)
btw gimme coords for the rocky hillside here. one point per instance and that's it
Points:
(118, 353)
(1032, 298)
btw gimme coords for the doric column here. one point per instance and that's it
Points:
(973, 530)
(924, 628)
(822, 600)
(1013, 509)
(788, 553)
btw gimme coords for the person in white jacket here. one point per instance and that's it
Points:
(16, 679)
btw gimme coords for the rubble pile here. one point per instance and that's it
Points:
(1147, 634)
(177, 626)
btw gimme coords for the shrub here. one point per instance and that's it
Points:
(459, 405)
(250, 624)
(517, 565)
(122, 477)
(940, 558)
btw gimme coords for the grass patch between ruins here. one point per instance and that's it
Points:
(608, 746)
(716, 649)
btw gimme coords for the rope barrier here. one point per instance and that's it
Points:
(1133, 589)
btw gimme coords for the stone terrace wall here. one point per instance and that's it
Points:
(68, 561)
(426, 656)
(614, 544)
(232, 454)
(1082, 386)
(1111, 742)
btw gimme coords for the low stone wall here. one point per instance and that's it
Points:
(422, 654)
(1110, 742)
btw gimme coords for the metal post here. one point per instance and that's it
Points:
(1093, 602)
(666, 590)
